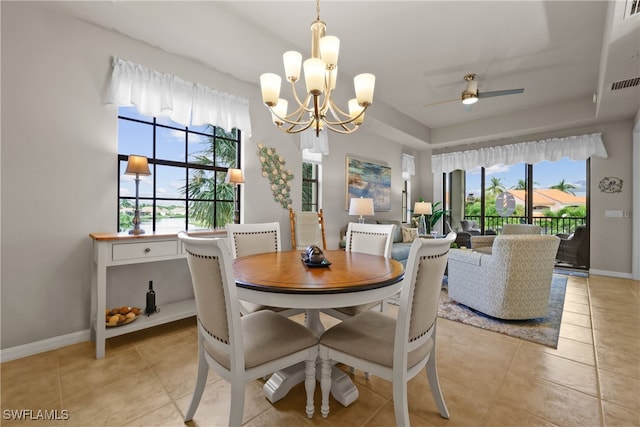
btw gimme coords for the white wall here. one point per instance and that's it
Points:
(59, 169)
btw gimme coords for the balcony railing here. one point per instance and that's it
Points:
(550, 224)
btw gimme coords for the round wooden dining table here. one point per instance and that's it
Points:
(283, 279)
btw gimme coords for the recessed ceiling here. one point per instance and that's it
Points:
(561, 53)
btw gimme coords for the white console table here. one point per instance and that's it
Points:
(113, 249)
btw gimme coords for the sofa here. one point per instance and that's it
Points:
(399, 249)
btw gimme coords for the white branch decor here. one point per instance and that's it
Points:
(273, 168)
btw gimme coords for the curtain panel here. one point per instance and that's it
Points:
(575, 147)
(189, 104)
(408, 165)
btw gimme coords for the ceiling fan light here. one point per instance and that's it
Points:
(469, 98)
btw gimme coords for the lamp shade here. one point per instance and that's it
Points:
(361, 206)
(422, 208)
(234, 176)
(137, 165)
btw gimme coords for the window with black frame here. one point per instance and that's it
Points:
(188, 165)
(310, 187)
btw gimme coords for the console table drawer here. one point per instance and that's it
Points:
(126, 251)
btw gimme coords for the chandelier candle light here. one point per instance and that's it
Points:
(317, 110)
(361, 206)
(235, 177)
(422, 209)
(137, 165)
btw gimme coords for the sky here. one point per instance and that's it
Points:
(545, 174)
(135, 138)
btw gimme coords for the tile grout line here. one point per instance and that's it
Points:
(595, 354)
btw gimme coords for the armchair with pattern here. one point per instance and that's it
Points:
(485, 243)
(513, 282)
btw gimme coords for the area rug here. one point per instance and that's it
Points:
(544, 331)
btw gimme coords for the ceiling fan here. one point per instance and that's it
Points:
(471, 94)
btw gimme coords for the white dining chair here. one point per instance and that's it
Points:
(240, 348)
(395, 349)
(257, 238)
(373, 239)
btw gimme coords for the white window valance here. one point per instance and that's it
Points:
(575, 147)
(408, 165)
(189, 104)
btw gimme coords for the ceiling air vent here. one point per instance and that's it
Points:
(633, 8)
(624, 84)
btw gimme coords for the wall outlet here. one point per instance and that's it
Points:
(613, 214)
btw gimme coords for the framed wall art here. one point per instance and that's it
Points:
(368, 179)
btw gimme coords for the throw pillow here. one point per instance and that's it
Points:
(409, 234)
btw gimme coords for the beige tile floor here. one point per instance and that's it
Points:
(488, 379)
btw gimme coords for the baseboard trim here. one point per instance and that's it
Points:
(30, 349)
(611, 274)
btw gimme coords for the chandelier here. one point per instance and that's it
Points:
(318, 110)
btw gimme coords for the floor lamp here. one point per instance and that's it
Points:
(361, 206)
(235, 177)
(138, 166)
(422, 209)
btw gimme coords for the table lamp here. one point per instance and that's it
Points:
(422, 209)
(235, 177)
(361, 206)
(137, 165)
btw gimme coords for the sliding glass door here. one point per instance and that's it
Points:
(553, 195)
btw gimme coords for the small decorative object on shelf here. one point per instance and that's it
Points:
(121, 316)
(151, 300)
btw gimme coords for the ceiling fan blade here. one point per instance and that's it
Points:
(441, 102)
(499, 93)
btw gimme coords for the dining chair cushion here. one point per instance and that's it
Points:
(368, 243)
(255, 242)
(285, 337)
(367, 336)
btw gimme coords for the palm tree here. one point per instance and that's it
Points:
(564, 187)
(496, 186)
(522, 185)
(208, 185)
